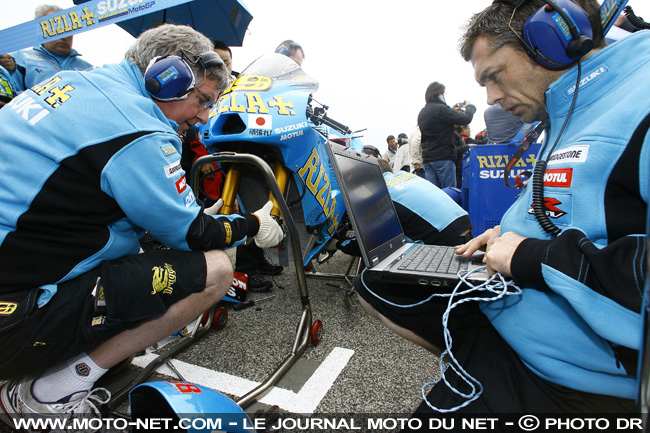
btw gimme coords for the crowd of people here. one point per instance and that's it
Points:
(438, 143)
(71, 221)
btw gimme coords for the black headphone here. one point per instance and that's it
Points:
(170, 78)
(557, 35)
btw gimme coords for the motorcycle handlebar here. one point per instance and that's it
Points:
(318, 116)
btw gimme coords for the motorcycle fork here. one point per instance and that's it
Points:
(233, 182)
(282, 177)
(230, 189)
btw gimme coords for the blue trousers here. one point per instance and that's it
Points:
(440, 173)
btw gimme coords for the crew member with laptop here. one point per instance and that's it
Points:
(568, 341)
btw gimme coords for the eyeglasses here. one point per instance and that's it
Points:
(210, 101)
(530, 49)
(206, 60)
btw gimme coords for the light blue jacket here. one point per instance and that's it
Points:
(35, 64)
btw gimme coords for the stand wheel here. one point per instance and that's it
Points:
(316, 332)
(220, 319)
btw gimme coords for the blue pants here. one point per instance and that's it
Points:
(440, 173)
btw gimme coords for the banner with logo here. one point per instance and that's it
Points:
(609, 11)
(86, 16)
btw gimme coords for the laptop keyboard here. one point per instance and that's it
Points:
(433, 258)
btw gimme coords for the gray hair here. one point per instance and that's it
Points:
(43, 10)
(493, 21)
(170, 39)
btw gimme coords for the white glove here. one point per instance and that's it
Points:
(214, 209)
(270, 233)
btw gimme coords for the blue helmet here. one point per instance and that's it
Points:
(189, 406)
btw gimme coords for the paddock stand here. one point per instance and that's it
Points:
(354, 268)
(305, 330)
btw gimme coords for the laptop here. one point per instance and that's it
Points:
(384, 247)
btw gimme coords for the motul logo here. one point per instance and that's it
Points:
(559, 177)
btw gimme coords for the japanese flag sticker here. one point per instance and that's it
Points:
(259, 121)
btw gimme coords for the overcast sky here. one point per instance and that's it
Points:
(373, 59)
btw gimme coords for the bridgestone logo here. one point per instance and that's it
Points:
(571, 154)
(172, 169)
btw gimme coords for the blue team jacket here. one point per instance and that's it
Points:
(35, 64)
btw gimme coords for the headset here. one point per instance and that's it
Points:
(170, 77)
(558, 34)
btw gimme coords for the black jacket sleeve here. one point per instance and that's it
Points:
(616, 271)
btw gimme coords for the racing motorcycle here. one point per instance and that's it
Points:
(269, 111)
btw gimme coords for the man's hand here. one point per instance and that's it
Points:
(7, 62)
(270, 233)
(498, 249)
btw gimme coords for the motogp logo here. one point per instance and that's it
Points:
(550, 207)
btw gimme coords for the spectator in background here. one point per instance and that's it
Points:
(7, 62)
(437, 121)
(461, 147)
(466, 133)
(415, 149)
(372, 151)
(33, 65)
(402, 161)
(389, 155)
(481, 137)
(293, 50)
(502, 126)
(7, 87)
(225, 53)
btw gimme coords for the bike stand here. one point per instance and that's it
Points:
(306, 330)
(351, 272)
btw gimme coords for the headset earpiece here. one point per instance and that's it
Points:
(579, 48)
(283, 50)
(169, 78)
(558, 34)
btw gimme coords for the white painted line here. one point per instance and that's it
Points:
(313, 391)
(304, 401)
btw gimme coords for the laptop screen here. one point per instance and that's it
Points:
(367, 200)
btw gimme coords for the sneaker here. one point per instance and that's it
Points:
(268, 268)
(257, 283)
(17, 402)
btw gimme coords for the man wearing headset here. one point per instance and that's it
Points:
(92, 161)
(569, 342)
(291, 49)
